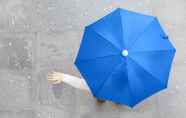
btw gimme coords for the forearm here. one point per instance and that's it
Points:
(75, 82)
(58, 77)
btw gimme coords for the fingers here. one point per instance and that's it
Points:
(57, 73)
(50, 77)
(57, 82)
(55, 77)
(54, 72)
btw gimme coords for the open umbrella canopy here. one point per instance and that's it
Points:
(125, 57)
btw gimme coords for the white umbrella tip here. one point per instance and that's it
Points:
(125, 53)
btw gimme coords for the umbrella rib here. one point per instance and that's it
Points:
(129, 85)
(147, 71)
(103, 83)
(133, 43)
(106, 39)
(101, 57)
(122, 28)
(153, 51)
(101, 86)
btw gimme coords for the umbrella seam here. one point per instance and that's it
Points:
(136, 101)
(148, 72)
(101, 57)
(153, 51)
(121, 21)
(133, 43)
(106, 39)
(101, 86)
(129, 82)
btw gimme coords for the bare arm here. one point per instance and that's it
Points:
(57, 77)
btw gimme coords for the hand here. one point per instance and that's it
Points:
(56, 77)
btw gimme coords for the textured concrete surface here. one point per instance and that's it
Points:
(37, 36)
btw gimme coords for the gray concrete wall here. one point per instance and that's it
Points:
(37, 36)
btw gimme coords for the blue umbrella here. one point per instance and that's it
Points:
(125, 57)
